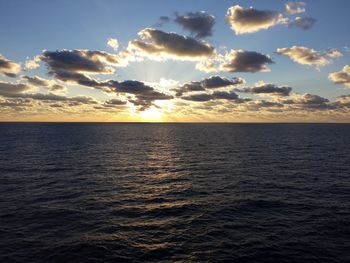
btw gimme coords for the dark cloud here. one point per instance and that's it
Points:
(37, 81)
(57, 87)
(213, 82)
(199, 24)
(249, 20)
(8, 67)
(79, 61)
(162, 20)
(217, 95)
(269, 89)
(79, 78)
(269, 104)
(114, 103)
(199, 97)
(8, 89)
(308, 102)
(304, 23)
(246, 61)
(144, 94)
(158, 43)
(188, 87)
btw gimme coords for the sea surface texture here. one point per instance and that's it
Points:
(174, 192)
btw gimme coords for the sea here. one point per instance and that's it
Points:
(174, 192)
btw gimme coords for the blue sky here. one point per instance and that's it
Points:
(29, 27)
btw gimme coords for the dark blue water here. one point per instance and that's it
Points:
(174, 192)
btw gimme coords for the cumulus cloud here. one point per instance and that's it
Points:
(295, 7)
(74, 68)
(144, 95)
(199, 24)
(267, 89)
(113, 43)
(80, 61)
(308, 56)
(32, 63)
(343, 101)
(341, 77)
(250, 20)
(303, 22)
(236, 61)
(216, 95)
(158, 44)
(308, 101)
(213, 82)
(246, 61)
(8, 67)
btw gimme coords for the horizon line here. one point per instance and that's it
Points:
(195, 122)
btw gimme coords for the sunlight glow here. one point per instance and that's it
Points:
(152, 114)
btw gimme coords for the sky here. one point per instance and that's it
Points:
(175, 61)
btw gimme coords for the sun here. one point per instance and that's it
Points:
(152, 114)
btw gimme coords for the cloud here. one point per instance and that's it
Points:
(70, 70)
(295, 7)
(37, 81)
(144, 95)
(8, 89)
(54, 97)
(114, 103)
(162, 20)
(213, 82)
(15, 103)
(341, 77)
(199, 24)
(303, 22)
(51, 85)
(268, 104)
(217, 95)
(80, 61)
(246, 61)
(158, 44)
(113, 43)
(250, 20)
(18, 93)
(308, 56)
(8, 67)
(343, 101)
(236, 61)
(267, 89)
(308, 101)
(32, 63)
(58, 88)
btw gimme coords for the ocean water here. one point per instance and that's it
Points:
(93, 192)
